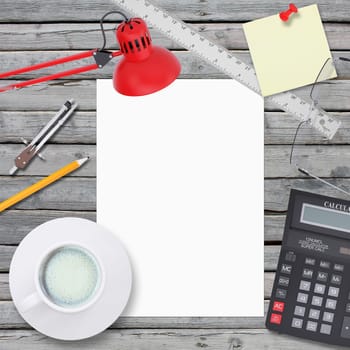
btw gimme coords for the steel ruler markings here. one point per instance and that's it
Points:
(223, 60)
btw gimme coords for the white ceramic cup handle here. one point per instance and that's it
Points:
(29, 302)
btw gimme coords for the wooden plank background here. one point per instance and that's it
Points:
(38, 30)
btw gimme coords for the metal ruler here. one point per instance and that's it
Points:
(223, 60)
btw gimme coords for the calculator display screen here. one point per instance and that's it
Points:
(325, 217)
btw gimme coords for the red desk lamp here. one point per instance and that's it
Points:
(144, 69)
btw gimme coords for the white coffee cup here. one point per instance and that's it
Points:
(62, 257)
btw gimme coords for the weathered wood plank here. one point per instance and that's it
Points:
(81, 128)
(13, 230)
(4, 287)
(325, 161)
(44, 97)
(271, 257)
(274, 227)
(214, 10)
(167, 339)
(280, 129)
(57, 156)
(192, 65)
(16, 224)
(5, 257)
(277, 191)
(5, 291)
(333, 96)
(10, 319)
(67, 194)
(80, 193)
(85, 36)
(271, 254)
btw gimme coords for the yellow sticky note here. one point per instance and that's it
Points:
(288, 55)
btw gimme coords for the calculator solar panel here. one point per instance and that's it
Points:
(311, 292)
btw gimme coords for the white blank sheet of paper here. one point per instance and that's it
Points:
(180, 181)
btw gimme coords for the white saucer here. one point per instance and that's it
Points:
(118, 278)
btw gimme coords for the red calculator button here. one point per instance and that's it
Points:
(276, 319)
(278, 306)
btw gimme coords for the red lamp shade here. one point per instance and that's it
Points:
(145, 68)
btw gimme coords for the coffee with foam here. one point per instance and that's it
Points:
(70, 277)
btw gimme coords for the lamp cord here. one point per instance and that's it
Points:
(306, 172)
(307, 121)
(102, 28)
(294, 139)
(314, 103)
(318, 75)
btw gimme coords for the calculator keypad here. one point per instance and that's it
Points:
(333, 292)
(311, 292)
(326, 329)
(302, 298)
(325, 264)
(336, 279)
(314, 314)
(305, 285)
(281, 293)
(317, 301)
(283, 281)
(286, 269)
(310, 261)
(299, 311)
(308, 273)
(318, 289)
(331, 304)
(328, 317)
(278, 306)
(322, 276)
(297, 323)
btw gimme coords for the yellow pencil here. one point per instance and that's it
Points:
(42, 183)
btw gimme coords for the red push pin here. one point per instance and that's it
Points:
(285, 15)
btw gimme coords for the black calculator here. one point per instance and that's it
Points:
(311, 293)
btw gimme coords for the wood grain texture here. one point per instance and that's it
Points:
(204, 10)
(280, 129)
(277, 190)
(322, 160)
(333, 95)
(86, 36)
(271, 257)
(80, 193)
(325, 161)
(57, 156)
(16, 224)
(67, 194)
(13, 229)
(166, 339)
(38, 30)
(10, 319)
(81, 128)
(4, 287)
(44, 97)
(6, 296)
(192, 66)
